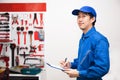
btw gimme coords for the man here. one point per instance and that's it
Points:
(92, 62)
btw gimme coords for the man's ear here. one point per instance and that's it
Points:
(92, 19)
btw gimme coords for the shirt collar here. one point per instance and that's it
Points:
(89, 32)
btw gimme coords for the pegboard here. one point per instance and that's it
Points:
(22, 33)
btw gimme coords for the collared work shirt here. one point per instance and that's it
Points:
(93, 56)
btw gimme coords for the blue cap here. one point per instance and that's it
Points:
(86, 9)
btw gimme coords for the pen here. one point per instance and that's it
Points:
(65, 59)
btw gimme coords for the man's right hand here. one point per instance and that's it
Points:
(65, 64)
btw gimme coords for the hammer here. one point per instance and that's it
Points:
(31, 33)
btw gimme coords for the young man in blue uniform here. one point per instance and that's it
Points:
(92, 62)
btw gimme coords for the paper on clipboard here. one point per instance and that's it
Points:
(55, 67)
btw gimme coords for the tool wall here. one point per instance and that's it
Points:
(22, 33)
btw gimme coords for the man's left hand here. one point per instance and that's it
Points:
(72, 73)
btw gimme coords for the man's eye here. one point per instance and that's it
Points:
(84, 16)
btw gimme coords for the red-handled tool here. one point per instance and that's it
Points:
(6, 59)
(5, 40)
(18, 33)
(41, 20)
(24, 33)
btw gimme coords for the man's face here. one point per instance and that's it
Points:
(84, 21)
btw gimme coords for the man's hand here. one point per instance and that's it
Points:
(72, 73)
(65, 64)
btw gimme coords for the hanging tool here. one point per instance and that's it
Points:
(4, 33)
(4, 26)
(4, 30)
(24, 53)
(17, 60)
(41, 35)
(38, 27)
(6, 47)
(30, 16)
(30, 19)
(41, 47)
(1, 46)
(6, 59)
(12, 47)
(5, 15)
(35, 18)
(18, 28)
(5, 40)
(24, 33)
(5, 23)
(18, 34)
(23, 48)
(17, 57)
(18, 50)
(4, 37)
(41, 20)
(22, 28)
(26, 22)
(3, 19)
(30, 33)
(36, 35)
(15, 19)
(3, 56)
(33, 49)
(22, 22)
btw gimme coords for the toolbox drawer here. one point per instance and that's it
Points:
(23, 78)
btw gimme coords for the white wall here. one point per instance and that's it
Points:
(62, 33)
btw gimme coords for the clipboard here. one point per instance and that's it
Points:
(55, 67)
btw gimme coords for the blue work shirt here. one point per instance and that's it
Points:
(93, 56)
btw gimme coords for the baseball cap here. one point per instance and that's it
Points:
(86, 9)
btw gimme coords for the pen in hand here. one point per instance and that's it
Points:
(66, 64)
(65, 59)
